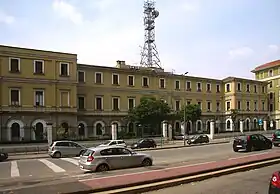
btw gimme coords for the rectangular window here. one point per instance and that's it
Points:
(208, 87)
(145, 82)
(81, 76)
(130, 80)
(218, 106)
(270, 73)
(38, 67)
(270, 84)
(14, 65)
(263, 106)
(228, 87)
(64, 99)
(248, 88)
(255, 106)
(271, 107)
(81, 102)
(218, 88)
(239, 105)
(188, 86)
(239, 87)
(208, 106)
(188, 102)
(228, 106)
(39, 98)
(199, 104)
(98, 103)
(161, 83)
(263, 89)
(115, 79)
(248, 106)
(115, 104)
(131, 103)
(14, 97)
(98, 78)
(255, 89)
(177, 105)
(198, 86)
(64, 69)
(177, 85)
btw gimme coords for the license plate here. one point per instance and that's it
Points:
(239, 146)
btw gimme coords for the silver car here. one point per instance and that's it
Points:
(112, 157)
(65, 148)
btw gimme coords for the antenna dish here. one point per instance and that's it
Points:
(156, 13)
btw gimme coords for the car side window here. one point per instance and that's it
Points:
(123, 151)
(254, 137)
(261, 137)
(72, 144)
(62, 144)
(106, 152)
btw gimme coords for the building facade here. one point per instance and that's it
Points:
(38, 87)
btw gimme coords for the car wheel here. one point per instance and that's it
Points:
(147, 162)
(57, 155)
(102, 168)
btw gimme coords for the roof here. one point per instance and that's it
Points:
(228, 79)
(266, 66)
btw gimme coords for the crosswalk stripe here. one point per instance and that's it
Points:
(52, 166)
(71, 160)
(14, 169)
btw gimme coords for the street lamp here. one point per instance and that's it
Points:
(185, 111)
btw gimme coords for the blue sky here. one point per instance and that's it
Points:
(209, 38)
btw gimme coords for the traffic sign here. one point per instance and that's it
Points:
(260, 122)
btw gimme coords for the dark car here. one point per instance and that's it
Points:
(144, 143)
(274, 185)
(179, 137)
(3, 156)
(198, 139)
(276, 137)
(251, 143)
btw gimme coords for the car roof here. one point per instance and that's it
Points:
(104, 147)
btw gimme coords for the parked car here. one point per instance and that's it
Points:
(251, 143)
(274, 184)
(179, 136)
(198, 139)
(113, 143)
(3, 156)
(107, 158)
(65, 148)
(144, 143)
(276, 137)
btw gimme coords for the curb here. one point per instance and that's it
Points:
(174, 181)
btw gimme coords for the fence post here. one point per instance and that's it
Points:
(265, 125)
(114, 131)
(49, 133)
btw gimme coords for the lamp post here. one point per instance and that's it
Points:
(185, 110)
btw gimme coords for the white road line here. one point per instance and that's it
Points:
(14, 169)
(146, 172)
(52, 166)
(249, 155)
(71, 160)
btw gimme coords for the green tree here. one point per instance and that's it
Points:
(192, 113)
(150, 112)
(233, 115)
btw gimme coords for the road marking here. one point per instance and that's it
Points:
(249, 155)
(71, 160)
(14, 169)
(127, 174)
(52, 166)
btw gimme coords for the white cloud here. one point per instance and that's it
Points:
(67, 11)
(241, 52)
(190, 7)
(273, 48)
(7, 19)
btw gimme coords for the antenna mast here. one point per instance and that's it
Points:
(149, 54)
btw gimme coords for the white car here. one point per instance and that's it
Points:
(113, 143)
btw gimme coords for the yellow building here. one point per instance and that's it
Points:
(36, 87)
(270, 73)
(42, 86)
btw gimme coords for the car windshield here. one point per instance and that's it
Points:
(88, 152)
(243, 137)
(106, 142)
(141, 140)
(194, 137)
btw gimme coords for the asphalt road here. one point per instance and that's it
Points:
(29, 171)
(250, 182)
